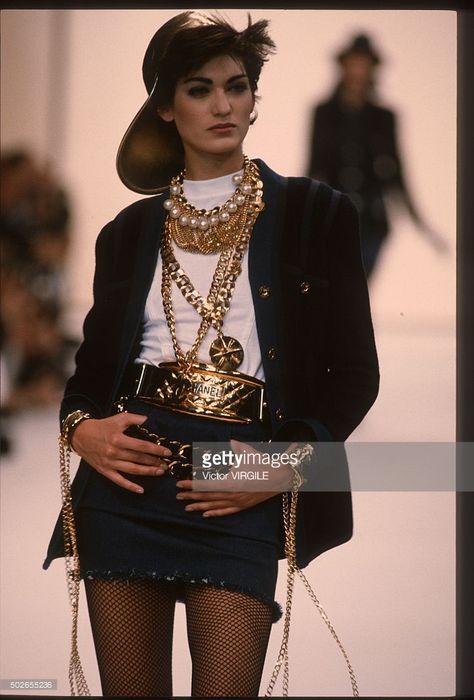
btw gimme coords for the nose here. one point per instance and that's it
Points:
(221, 103)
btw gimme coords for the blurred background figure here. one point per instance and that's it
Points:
(354, 149)
(34, 235)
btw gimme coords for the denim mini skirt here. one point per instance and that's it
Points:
(122, 534)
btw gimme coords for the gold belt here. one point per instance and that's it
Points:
(200, 390)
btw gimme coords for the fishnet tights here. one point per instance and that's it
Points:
(132, 626)
(228, 635)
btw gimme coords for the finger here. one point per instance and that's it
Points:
(198, 495)
(144, 446)
(203, 506)
(134, 468)
(121, 481)
(141, 458)
(242, 447)
(220, 511)
(188, 485)
(127, 419)
(185, 483)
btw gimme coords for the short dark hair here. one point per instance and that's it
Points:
(192, 47)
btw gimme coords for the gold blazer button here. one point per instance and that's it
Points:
(305, 287)
(264, 291)
(279, 414)
(271, 353)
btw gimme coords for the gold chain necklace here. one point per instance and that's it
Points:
(228, 269)
(226, 352)
(214, 230)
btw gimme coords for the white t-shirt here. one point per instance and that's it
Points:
(239, 321)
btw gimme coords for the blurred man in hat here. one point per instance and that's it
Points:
(354, 149)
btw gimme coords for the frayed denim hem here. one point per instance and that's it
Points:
(180, 577)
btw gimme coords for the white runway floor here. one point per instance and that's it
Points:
(390, 592)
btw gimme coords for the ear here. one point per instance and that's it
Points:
(166, 113)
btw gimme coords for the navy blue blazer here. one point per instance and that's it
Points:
(313, 321)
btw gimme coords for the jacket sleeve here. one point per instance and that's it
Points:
(353, 370)
(352, 375)
(87, 389)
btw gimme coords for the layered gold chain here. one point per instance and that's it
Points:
(212, 309)
(215, 230)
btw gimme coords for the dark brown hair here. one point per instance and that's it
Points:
(192, 47)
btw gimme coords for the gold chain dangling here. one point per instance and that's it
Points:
(77, 680)
(289, 520)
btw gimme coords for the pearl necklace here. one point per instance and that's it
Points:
(217, 229)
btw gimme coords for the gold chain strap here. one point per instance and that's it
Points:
(289, 520)
(77, 680)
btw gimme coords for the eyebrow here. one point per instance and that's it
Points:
(208, 81)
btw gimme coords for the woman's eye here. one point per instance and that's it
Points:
(198, 91)
(239, 87)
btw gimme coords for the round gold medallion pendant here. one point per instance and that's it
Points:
(226, 353)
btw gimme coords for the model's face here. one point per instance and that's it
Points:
(357, 70)
(211, 108)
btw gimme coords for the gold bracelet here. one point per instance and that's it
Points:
(303, 455)
(70, 423)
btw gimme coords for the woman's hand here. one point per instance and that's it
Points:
(228, 500)
(102, 443)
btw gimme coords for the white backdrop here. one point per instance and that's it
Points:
(71, 83)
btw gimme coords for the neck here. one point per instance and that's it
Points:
(354, 96)
(199, 167)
